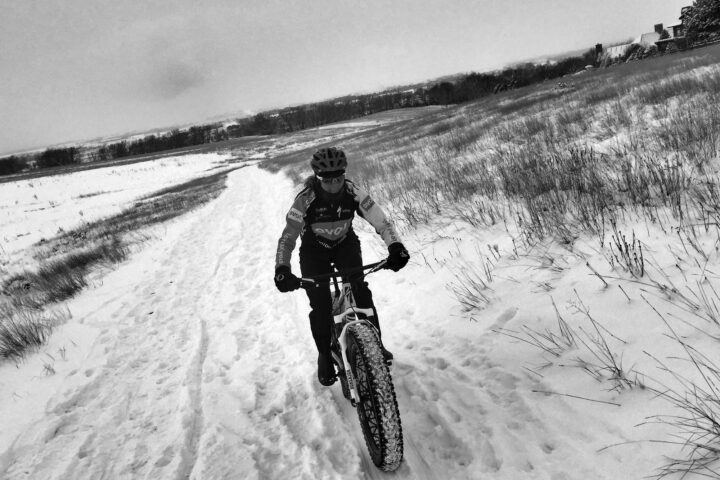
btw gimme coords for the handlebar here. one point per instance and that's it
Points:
(371, 267)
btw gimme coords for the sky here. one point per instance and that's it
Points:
(81, 69)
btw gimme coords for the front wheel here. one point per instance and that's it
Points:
(377, 405)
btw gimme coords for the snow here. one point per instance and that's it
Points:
(34, 209)
(351, 124)
(185, 362)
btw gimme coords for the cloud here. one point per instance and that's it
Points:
(171, 79)
(156, 61)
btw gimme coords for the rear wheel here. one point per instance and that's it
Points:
(377, 404)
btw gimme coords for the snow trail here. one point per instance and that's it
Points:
(200, 369)
(203, 377)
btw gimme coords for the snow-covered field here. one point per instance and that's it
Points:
(185, 362)
(34, 209)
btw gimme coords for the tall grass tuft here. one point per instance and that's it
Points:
(639, 141)
(23, 329)
(697, 422)
(62, 278)
(693, 82)
(67, 261)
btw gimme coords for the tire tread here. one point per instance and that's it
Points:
(391, 438)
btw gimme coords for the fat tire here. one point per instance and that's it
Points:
(377, 407)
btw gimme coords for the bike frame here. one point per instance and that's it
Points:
(349, 313)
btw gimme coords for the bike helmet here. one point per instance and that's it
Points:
(329, 162)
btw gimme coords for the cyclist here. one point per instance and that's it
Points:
(322, 216)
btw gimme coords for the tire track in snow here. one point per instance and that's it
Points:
(265, 415)
(140, 413)
(194, 421)
(221, 259)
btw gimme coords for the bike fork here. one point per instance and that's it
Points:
(342, 340)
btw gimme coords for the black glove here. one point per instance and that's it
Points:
(285, 281)
(398, 256)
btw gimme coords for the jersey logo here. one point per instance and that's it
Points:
(295, 215)
(368, 203)
(331, 231)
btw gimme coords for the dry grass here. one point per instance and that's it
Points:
(550, 162)
(67, 261)
(598, 358)
(555, 162)
(22, 329)
(697, 421)
(156, 208)
(61, 278)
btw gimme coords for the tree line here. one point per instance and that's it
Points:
(172, 140)
(57, 157)
(52, 157)
(477, 85)
(466, 88)
(463, 88)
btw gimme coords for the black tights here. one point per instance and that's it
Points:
(316, 260)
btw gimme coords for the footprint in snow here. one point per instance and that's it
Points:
(505, 317)
(438, 362)
(547, 448)
(166, 458)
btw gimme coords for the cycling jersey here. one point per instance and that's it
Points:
(326, 220)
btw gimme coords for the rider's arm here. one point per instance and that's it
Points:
(294, 223)
(371, 211)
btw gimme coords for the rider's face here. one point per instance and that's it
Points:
(332, 184)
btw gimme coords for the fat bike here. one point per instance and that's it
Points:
(362, 369)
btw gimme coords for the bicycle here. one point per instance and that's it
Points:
(363, 371)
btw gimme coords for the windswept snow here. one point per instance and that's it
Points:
(37, 208)
(185, 362)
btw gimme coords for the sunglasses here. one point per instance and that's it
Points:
(332, 180)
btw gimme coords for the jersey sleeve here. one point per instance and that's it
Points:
(371, 211)
(294, 223)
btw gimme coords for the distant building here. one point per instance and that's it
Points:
(676, 39)
(617, 51)
(676, 36)
(648, 39)
(677, 30)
